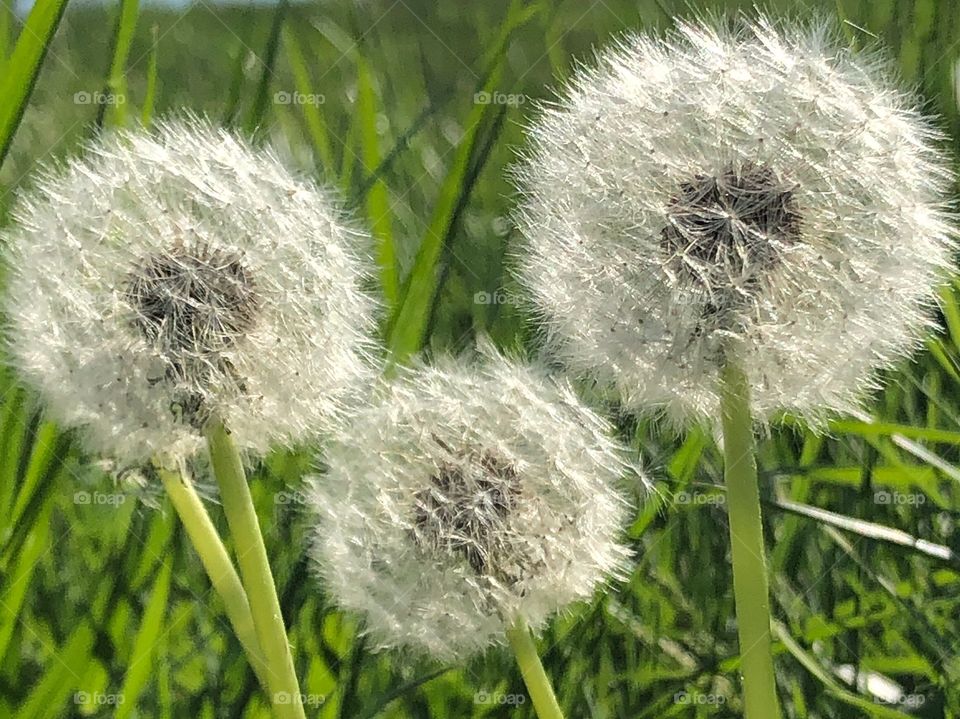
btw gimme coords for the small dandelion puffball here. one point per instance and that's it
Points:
(465, 498)
(753, 194)
(165, 277)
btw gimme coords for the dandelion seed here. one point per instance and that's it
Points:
(163, 277)
(468, 497)
(749, 192)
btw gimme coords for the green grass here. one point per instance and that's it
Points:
(110, 600)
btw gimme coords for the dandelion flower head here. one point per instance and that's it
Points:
(743, 192)
(164, 277)
(465, 498)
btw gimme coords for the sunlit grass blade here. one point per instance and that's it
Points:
(47, 447)
(146, 644)
(378, 198)
(112, 112)
(23, 66)
(13, 431)
(867, 429)
(64, 674)
(15, 589)
(312, 116)
(6, 16)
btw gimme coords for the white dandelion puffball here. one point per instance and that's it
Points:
(164, 278)
(747, 193)
(464, 498)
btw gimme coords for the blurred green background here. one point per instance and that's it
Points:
(414, 109)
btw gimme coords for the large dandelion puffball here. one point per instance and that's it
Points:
(466, 498)
(164, 278)
(753, 194)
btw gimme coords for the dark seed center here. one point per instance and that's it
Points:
(192, 304)
(464, 510)
(735, 223)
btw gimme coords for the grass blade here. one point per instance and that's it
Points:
(47, 698)
(378, 199)
(408, 325)
(23, 67)
(144, 646)
(312, 117)
(833, 686)
(871, 530)
(261, 100)
(113, 112)
(18, 580)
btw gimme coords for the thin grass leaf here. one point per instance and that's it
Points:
(313, 118)
(872, 429)
(939, 352)
(871, 530)
(145, 646)
(46, 448)
(378, 198)
(17, 582)
(49, 696)
(380, 705)
(23, 67)
(13, 435)
(262, 98)
(832, 685)
(6, 29)
(951, 311)
(113, 113)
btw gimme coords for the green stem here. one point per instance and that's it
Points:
(750, 586)
(255, 570)
(541, 692)
(213, 555)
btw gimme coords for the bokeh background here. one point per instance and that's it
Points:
(415, 109)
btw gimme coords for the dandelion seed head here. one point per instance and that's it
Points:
(743, 192)
(467, 496)
(161, 277)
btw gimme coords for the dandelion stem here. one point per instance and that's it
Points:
(538, 684)
(255, 570)
(750, 585)
(213, 555)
